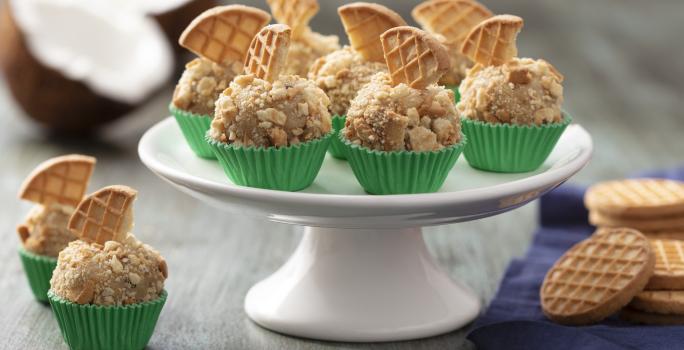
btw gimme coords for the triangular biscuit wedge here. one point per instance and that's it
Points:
(105, 215)
(414, 57)
(223, 34)
(452, 19)
(294, 13)
(267, 54)
(62, 180)
(364, 23)
(492, 42)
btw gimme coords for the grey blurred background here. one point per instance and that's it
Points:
(623, 62)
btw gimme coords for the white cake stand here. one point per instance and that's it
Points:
(362, 271)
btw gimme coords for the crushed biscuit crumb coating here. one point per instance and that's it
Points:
(306, 49)
(115, 273)
(341, 75)
(387, 118)
(47, 228)
(459, 63)
(201, 83)
(523, 91)
(255, 112)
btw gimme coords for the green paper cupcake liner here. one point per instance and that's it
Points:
(401, 172)
(457, 95)
(194, 127)
(38, 271)
(337, 148)
(509, 148)
(290, 168)
(95, 327)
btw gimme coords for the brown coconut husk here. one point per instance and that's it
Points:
(61, 104)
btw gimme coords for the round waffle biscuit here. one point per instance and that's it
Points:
(659, 302)
(597, 277)
(656, 223)
(634, 198)
(668, 273)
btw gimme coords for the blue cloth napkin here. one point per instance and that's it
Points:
(514, 319)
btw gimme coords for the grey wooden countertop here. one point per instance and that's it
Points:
(623, 63)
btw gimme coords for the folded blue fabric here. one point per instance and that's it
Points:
(514, 319)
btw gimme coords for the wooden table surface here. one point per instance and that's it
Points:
(624, 82)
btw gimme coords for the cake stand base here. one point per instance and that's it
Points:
(361, 286)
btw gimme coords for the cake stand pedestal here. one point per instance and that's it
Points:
(362, 271)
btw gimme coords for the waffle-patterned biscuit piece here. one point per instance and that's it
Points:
(668, 273)
(597, 277)
(414, 57)
(267, 54)
(598, 218)
(636, 198)
(105, 215)
(453, 19)
(492, 42)
(659, 301)
(294, 13)
(364, 23)
(636, 316)
(222, 34)
(62, 180)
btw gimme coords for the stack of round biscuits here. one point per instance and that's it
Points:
(634, 263)
(655, 207)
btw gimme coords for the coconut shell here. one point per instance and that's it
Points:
(46, 95)
(173, 22)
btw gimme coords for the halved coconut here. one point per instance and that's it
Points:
(73, 65)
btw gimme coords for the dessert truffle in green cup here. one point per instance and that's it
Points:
(43, 235)
(107, 290)
(194, 97)
(341, 74)
(38, 271)
(402, 140)
(337, 148)
(512, 115)
(271, 135)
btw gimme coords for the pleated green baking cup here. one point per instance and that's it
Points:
(508, 148)
(337, 148)
(95, 327)
(291, 168)
(38, 270)
(401, 172)
(457, 95)
(194, 127)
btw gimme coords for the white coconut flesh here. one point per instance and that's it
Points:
(118, 53)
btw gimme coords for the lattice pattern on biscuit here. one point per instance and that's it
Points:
(492, 42)
(62, 180)
(593, 271)
(412, 58)
(453, 19)
(294, 13)
(223, 34)
(637, 193)
(105, 215)
(364, 23)
(268, 52)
